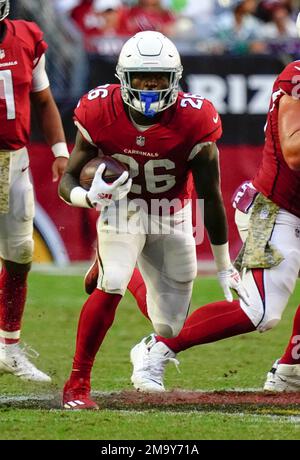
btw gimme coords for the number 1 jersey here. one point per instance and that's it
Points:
(20, 50)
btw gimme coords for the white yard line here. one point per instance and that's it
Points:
(25, 398)
(223, 390)
(293, 419)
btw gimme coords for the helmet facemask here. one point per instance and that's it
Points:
(4, 9)
(149, 102)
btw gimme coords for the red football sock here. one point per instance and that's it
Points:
(137, 288)
(210, 323)
(13, 290)
(96, 317)
(292, 352)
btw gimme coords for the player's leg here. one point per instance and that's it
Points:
(136, 285)
(91, 277)
(210, 323)
(168, 266)
(287, 377)
(16, 251)
(292, 352)
(117, 258)
(137, 288)
(285, 373)
(269, 292)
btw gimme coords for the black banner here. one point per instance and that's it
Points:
(239, 86)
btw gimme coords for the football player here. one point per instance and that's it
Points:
(270, 257)
(162, 135)
(23, 80)
(285, 372)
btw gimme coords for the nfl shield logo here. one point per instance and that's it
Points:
(140, 140)
(2, 54)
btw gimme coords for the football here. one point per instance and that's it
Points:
(113, 170)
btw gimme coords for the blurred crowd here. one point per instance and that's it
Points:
(93, 29)
(218, 26)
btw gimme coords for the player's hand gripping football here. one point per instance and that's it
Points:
(230, 279)
(102, 194)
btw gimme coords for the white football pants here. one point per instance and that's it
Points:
(270, 289)
(16, 227)
(166, 255)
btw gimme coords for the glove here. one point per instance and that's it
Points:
(122, 190)
(230, 279)
(102, 194)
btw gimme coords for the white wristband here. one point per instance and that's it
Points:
(78, 197)
(60, 149)
(221, 256)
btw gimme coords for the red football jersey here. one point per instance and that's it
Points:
(20, 51)
(274, 178)
(158, 158)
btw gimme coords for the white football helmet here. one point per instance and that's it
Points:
(149, 51)
(4, 9)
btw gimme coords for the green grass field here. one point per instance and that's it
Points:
(54, 303)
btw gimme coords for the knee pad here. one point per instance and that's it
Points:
(263, 321)
(267, 325)
(171, 329)
(265, 311)
(21, 253)
(168, 331)
(164, 330)
(168, 306)
(114, 280)
(183, 274)
(177, 326)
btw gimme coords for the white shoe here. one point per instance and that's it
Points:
(13, 360)
(149, 359)
(283, 377)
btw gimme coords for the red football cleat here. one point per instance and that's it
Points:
(78, 398)
(91, 278)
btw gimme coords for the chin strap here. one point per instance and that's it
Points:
(148, 99)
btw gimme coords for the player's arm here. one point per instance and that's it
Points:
(69, 187)
(49, 117)
(206, 174)
(100, 193)
(289, 130)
